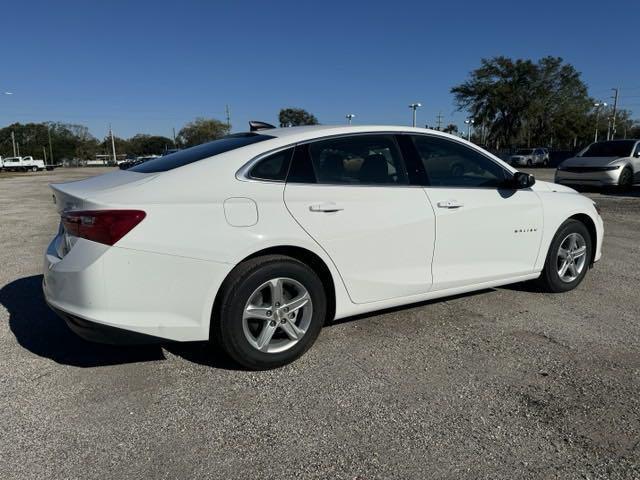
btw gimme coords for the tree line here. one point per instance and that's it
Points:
(69, 141)
(511, 103)
(543, 103)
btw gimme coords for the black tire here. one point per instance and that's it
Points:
(550, 279)
(226, 322)
(529, 163)
(34, 169)
(625, 181)
(545, 163)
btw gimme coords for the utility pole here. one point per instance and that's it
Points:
(598, 105)
(50, 147)
(349, 117)
(44, 152)
(113, 144)
(414, 107)
(228, 114)
(439, 120)
(13, 141)
(175, 145)
(613, 114)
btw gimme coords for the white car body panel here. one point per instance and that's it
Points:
(382, 240)
(489, 237)
(202, 220)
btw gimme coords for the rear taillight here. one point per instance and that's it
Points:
(102, 226)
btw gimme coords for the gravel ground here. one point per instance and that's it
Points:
(505, 383)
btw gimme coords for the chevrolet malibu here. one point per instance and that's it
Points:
(255, 240)
(615, 163)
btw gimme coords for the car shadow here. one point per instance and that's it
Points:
(43, 333)
(400, 308)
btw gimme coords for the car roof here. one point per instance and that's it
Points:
(316, 131)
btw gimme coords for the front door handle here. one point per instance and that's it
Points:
(450, 204)
(328, 207)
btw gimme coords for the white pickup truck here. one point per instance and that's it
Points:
(22, 164)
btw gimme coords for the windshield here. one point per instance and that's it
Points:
(617, 148)
(199, 152)
(525, 151)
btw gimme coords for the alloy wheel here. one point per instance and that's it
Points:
(572, 257)
(277, 315)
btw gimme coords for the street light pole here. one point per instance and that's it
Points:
(414, 107)
(349, 117)
(469, 122)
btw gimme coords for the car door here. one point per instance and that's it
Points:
(352, 196)
(484, 231)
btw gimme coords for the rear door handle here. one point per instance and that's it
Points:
(328, 207)
(450, 204)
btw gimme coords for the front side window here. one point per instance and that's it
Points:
(274, 167)
(358, 160)
(451, 164)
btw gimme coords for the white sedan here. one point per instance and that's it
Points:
(257, 239)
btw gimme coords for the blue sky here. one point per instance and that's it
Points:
(150, 66)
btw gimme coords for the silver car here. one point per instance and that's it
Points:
(612, 163)
(530, 157)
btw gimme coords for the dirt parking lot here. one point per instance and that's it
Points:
(504, 383)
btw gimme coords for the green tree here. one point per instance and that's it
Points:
(451, 128)
(296, 116)
(522, 102)
(202, 130)
(143, 144)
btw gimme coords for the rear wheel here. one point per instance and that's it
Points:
(568, 258)
(545, 163)
(625, 181)
(34, 169)
(271, 311)
(529, 163)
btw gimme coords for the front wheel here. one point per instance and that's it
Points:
(625, 181)
(568, 258)
(271, 311)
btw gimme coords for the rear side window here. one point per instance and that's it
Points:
(274, 167)
(451, 164)
(200, 152)
(358, 160)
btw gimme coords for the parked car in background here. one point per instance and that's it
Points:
(256, 239)
(603, 164)
(127, 164)
(22, 164)
(530, 157)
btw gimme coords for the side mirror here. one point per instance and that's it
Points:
(523, 180)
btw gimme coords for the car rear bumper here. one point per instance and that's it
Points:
(598, 179)
(100, 288)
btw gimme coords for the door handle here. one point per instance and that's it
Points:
(450, 204)
(328, 207)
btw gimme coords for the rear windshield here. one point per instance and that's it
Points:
(200, 152)
(618, 148)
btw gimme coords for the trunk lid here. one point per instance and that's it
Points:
(79, 194)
